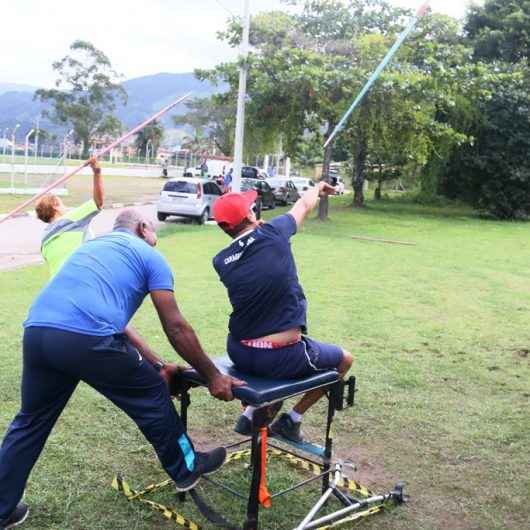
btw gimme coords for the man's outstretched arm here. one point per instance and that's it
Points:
(97, 190)
(185, 342)
(309, 200)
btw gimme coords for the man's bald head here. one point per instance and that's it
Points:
(137, 223)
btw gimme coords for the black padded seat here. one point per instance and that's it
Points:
(259, 391)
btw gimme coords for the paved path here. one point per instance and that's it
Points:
(20, 237)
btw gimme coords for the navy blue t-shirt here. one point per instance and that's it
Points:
(260, 275)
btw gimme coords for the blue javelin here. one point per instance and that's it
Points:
(373, 78)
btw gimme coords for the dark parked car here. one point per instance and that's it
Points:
(284, 190)
(253, 172)
(265, 194)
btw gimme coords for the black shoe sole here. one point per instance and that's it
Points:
(187, 488)
(13, 525)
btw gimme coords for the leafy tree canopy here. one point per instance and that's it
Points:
(85, 93)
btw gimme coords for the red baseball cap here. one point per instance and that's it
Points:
(232, 208)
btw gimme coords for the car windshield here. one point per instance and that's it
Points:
(247, 184)
(249, 172)
(181, 186)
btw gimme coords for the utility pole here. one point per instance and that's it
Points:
(240, 116)
(13, 148)
(26, 153)
(36, 152)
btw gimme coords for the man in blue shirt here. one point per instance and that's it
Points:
(268, 323)
(77, 330)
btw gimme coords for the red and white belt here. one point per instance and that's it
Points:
(267, 344)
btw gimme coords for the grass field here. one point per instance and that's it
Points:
(117, 189)
(441, 341)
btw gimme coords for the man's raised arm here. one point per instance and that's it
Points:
(97, 190)
(309, 200)
(185, 342)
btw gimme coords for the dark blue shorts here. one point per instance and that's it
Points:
(302, 359)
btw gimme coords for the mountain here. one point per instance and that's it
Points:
(150, 93)
(146, 95)
(15, 87)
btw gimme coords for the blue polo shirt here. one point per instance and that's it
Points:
(259, 272)
(101, 286)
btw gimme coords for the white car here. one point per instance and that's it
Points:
(302, 184)
(339, 186)
(188, 197)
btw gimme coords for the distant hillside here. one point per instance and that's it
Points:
(146, 95)
(15, 87)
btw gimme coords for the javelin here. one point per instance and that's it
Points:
(103, 151)
(373, 78)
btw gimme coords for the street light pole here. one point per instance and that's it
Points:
(13, 140)
(26, 149)
(5, 142)
(36, 151)
(240, 116)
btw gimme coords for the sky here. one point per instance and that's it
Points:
(140, 37)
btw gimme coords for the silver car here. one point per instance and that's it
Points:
(188, 197)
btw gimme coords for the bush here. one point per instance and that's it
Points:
(493, 174)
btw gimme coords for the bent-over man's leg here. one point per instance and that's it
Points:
(45, 392)
(116, 370)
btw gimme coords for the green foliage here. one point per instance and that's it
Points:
(211, 119)
(85, 93)
(493, 172)
(500, 30)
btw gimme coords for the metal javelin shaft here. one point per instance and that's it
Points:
(103, 151)
(373, 78)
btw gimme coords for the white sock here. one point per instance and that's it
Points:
(295, 416)
(249, 411)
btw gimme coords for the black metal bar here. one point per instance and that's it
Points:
(343, 498)
(297, 486)
(225, 487)
(328, 448)
(237, 444)
(307, 459)
(258, 420)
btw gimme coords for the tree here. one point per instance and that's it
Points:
(85, 95)
(153, 135)
(211, 119)
(493, 172)
(500, 30)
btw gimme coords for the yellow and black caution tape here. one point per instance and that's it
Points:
(316, 469)
(351, 518)
(120, 485)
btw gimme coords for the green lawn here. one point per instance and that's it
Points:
(441, 339)
(117, 189)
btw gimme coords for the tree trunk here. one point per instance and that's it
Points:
(359, 166)
(323, 207)
(378, 190)
(86, 148)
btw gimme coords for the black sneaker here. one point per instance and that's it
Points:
(205, 464)
(243, 426)
(286, 427)
(17, 517)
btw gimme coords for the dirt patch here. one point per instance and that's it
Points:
(369, 471)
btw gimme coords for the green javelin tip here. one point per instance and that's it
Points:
(373, 78)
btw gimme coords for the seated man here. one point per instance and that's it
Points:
(67, 230)
(268, 323)
(77, 330)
